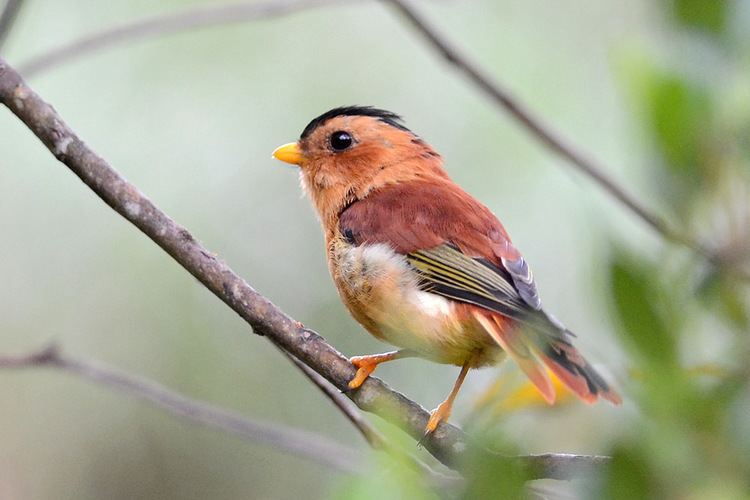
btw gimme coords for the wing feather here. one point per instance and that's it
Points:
(458, 246)
(447, 271)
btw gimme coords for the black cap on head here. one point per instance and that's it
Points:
(384, 116)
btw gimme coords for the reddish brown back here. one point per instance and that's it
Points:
(417, 215)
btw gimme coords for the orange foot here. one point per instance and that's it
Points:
(440, 414)
(444, 409)
(367, 364)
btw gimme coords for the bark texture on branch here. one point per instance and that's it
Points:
(447, 443)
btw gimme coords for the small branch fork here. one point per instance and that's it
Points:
(345, 405)
(448, 444)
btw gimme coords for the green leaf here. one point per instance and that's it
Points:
(726, 296)
(489, 477)
(637, 296)
(386, 479)
(707, 15)
(629, 476)
(678, 120)
(679, 114)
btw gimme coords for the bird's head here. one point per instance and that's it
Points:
(348, 152)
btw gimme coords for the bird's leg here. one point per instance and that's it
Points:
(367, 364)
(443, 411)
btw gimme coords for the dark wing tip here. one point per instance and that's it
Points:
(383, 115)
(577, 374)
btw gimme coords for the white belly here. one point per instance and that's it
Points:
(382, 291)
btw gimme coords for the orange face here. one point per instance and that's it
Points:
(343, 158)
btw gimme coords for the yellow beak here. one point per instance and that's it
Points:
(289, 153)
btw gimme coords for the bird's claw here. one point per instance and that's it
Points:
(436, 416)
(347, 390)
(365, 366)
(427, 435)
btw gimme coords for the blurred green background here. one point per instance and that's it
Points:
(659, 91)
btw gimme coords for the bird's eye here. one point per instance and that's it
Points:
(341, 140)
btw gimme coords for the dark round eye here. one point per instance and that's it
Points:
(341, 140)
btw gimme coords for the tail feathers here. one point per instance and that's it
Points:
(513, 343)
(576, 373)
(535, 353)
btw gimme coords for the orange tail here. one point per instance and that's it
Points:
(534, 351)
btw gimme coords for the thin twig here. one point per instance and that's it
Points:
(447, 443)
(296, 441)
(8, 17)
(562, 465)
(345, 405)
(558, 144)
(165, 24)
(540, 130)
(503, 98)
(371, 435)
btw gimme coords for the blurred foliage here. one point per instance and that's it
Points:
(685, 445)
(687, 441)
(708, 15)
(679, 117)
(503, 398)
(677, 114)
(639, 299)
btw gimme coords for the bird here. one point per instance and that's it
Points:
(421, 264)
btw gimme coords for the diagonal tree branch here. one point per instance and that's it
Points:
(165, 24)
(555, 142)
(299, 442)
(447, 443)
(541, 131)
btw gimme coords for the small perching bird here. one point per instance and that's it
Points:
(420, 263)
